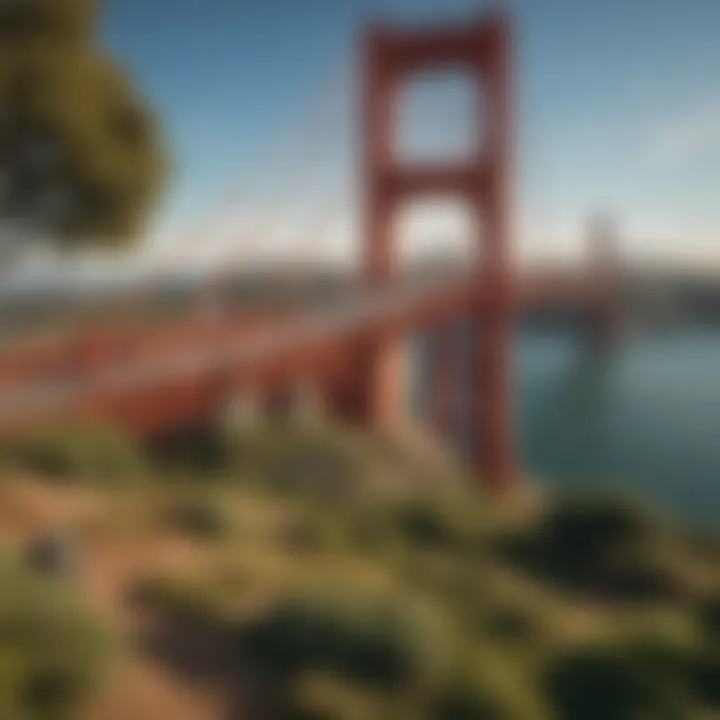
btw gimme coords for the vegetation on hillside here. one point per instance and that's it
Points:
(345, 576)
(53, 652)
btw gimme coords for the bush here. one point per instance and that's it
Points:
(487, 687)
(199, 453)
(53, 654)
(704, 677)
(511, 623)
(382, 641)
(313, 532)
(176, 598)
(97, 453)
(371, 531)
(317, 696)
(605, 546)
(709, 617)
(618, 682)
(295, 459)
(203, 518)
(432, 523)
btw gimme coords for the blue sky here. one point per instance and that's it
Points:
(619, 107)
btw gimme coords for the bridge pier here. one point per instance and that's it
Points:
(381, 394)
(483, 182)
(372, 395)
(449, 381)
(493, 452)
(443, 382)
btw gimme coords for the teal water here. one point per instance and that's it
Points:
(645, 417)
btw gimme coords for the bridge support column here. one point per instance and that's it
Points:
(483, 180)
(495, 451)
(372, 396)
(491, 419)
(382, 399)
(444, 381)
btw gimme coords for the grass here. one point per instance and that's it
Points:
(90, 454)
(54, 652)
(364, 596)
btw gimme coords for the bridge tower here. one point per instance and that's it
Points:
(482, 50)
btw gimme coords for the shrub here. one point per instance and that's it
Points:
(709, 617)
(318, 696)
(313, 532)
(488, 687)
(371, 531)
(295, 459)
(200, 453)
(607, 546)
(618, 682)
(89, 452)
(704, 677)
(173, 597)
(431, 523)
(382, 641)
(203, 518)
(53, 653)
(511, 623)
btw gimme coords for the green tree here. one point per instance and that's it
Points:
(81, 156)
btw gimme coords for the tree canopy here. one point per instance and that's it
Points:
(81, 155)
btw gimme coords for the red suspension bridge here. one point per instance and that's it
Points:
(189, 372)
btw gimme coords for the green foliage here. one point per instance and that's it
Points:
(679, 666)
(379, 640)
(204, 518)
(511, 623)
(370, 532)
(319, 696)
(296, 459)
(432, 523)
(308, 534)
(487, 686)
(435, 626)
(630, 680)
(603, 546)
(709, 617)
(430, 622)
(704, 677)
(80, 453)
(53, 653)
(175, 597)
(81, 151)
(191, 456)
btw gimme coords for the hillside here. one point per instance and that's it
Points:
(308, 572)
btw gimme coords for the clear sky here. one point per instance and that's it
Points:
(619, 106)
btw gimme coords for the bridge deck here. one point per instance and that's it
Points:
(173, 374)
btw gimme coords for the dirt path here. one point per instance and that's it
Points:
(141, 688)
